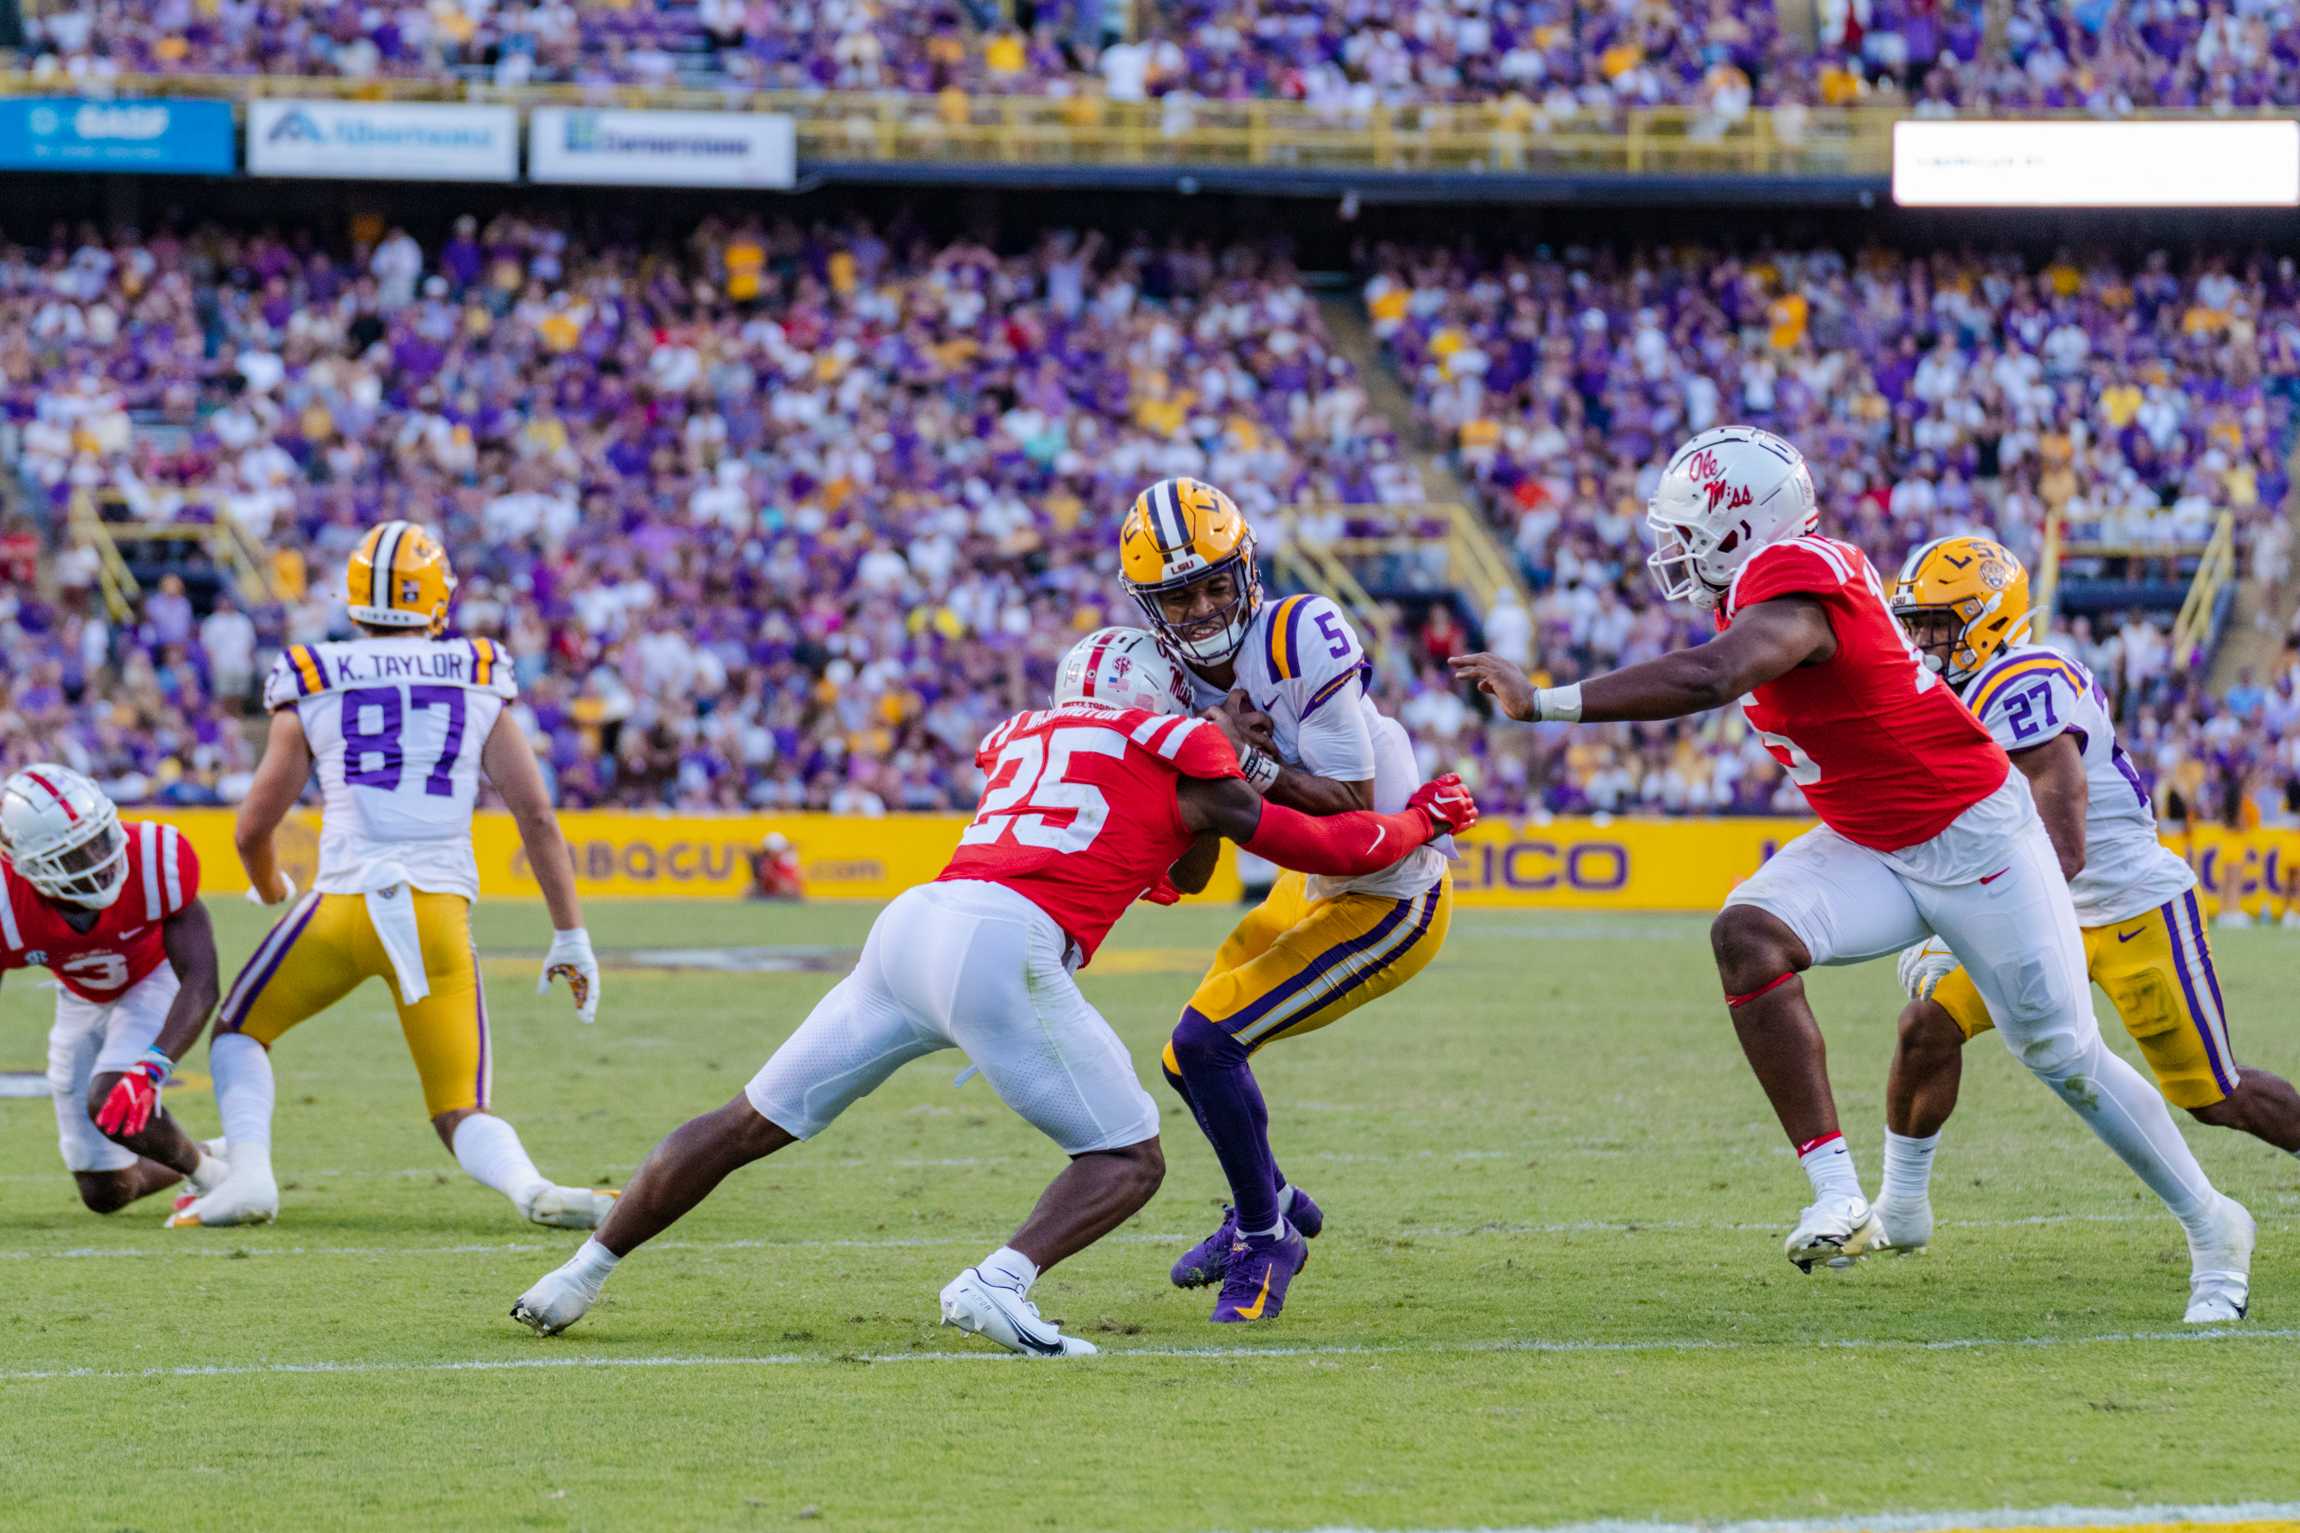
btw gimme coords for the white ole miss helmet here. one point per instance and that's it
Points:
(1726, 494)
(1121, 668)
(63, 835)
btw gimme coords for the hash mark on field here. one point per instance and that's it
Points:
(1505, 1344)
(202, 1245)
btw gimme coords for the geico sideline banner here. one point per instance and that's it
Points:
(1576, 864)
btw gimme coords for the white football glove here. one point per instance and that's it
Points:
(570, 959)
(255, 895)
(1924, 965)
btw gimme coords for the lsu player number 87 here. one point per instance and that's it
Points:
(398, 726)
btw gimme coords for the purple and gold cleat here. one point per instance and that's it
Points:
(1209, 1259)
(1260, 1271)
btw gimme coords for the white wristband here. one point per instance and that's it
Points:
(1261, 768)
(1557, 704)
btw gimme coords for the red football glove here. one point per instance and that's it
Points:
(1162, 892)
(1447, 802)
(135, 1096)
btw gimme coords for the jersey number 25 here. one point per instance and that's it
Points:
(1031, 776)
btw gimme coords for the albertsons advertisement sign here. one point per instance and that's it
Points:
(382, 141)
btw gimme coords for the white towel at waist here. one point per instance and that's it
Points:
(391, 910)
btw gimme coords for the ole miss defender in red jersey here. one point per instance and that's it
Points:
(1089, 805)
(111, 909)
(1925, 828)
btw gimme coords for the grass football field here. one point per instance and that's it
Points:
(1550, 1289)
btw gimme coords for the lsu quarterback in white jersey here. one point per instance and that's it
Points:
(397, 726)
(1965, 602)
(1316, 949)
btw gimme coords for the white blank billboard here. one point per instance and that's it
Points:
(1958, 164)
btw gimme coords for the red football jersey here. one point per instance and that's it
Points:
(124, 944)
(1079, 815)
(1886, 754)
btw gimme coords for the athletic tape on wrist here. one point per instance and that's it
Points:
(1260, 767)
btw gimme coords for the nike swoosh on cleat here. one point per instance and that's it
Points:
(2128, 936)
(1254, 1310)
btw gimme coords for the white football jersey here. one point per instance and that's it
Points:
(396, 727)
(2031, 694)
(1302, 665)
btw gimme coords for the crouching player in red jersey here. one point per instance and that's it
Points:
(111, 909)
(1925, 828)
(1088, 806)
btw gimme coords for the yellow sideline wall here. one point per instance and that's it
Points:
(1572, 864)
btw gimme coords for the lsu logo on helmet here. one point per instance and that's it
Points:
(1964, 601)
(1180, 535)
(399, 577)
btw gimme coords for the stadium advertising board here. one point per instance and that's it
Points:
(73, 134)
(1577, 864)
(1965, 164)
(382, 141)
(586, 147)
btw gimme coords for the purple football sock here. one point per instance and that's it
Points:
(1221, 1090)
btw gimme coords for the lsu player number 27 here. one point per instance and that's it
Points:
(1317, 948)
(1965, 602)
(397, 725)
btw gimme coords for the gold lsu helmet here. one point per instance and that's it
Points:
(1182, 533)
(1964, 600)
(399, 577)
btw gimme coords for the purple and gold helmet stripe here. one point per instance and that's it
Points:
(379, 584)
(1166, 520)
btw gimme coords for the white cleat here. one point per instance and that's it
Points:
(1907, 1223)
(570, 1208)
(246, 1197)
(554, 1303)
(973, 1303)
(1837, 1231)
(2220, 1269)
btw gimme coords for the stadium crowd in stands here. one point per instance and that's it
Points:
(777, 517)
(1557, 61)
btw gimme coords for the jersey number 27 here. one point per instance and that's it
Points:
(1031, 776)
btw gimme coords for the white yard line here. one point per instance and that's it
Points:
(1509, 1344)
(2088, 1517)
(220, 1243)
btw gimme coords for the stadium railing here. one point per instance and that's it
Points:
(1508, 137)
(2200, 612)
(108, 526)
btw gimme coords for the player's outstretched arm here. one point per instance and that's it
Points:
(190, 940)
(278, 783)
(2055, 773)
(1768, 639)
(509, 762)
(1345, 845)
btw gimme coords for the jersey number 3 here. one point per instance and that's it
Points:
(1030, 777)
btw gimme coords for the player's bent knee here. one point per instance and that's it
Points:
(103, 1192)
(1199, 1045)
(1145, 1167)
(1927, 1030)
(2225, 1113)
(2058, 1056)
(1754, 948)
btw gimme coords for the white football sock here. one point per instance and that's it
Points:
(1829, 1167)
(2127, 1111)
(209, 1174)
(1009, 1268)
(489, 1151)
(243, 1071)
(1908, 1166)
(590, 1265)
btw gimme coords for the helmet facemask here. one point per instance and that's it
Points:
(87, 868)
(1208, 638)
(1679, 551)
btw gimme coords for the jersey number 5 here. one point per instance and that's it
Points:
(1031, 776)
